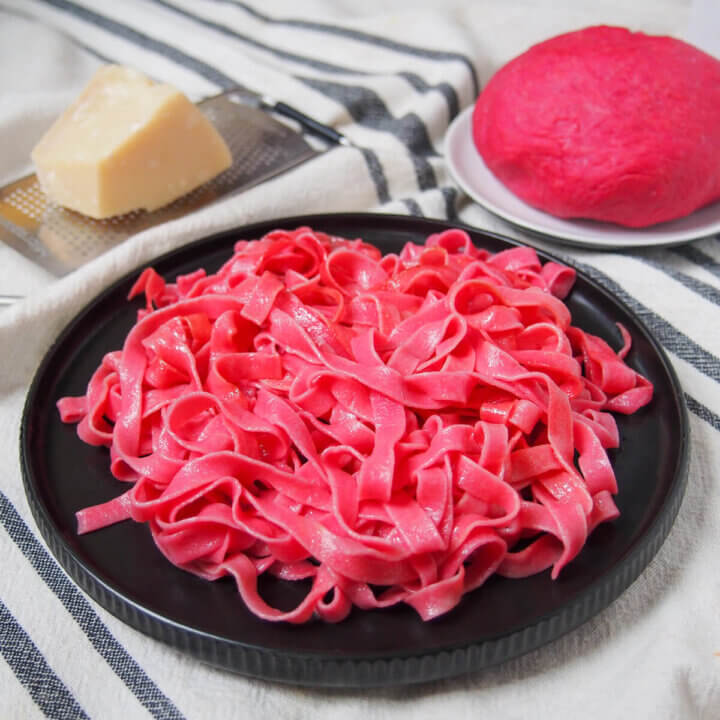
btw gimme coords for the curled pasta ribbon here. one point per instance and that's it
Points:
(391, 429)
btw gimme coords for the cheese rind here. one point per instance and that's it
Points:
(127, 144)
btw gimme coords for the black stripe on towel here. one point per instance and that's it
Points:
(704, 413)
(321, 65)
(413, 207)
(30, 667)
(367, 109)
(116, 656)
(444, 88)
(443, 55)
(414, 80)
(698, 257)
(450, 195)
(144, 41)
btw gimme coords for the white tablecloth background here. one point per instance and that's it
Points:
(653, 652)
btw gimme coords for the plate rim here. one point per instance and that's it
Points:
(454, 135)
(377, 668)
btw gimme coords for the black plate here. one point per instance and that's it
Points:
(120, 567)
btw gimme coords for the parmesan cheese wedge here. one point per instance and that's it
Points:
(127, 144)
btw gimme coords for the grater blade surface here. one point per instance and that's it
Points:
(61, 240)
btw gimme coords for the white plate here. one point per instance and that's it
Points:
(474, 177)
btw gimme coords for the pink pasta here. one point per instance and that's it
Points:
(393, 429)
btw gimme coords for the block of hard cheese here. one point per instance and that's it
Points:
(127, 144)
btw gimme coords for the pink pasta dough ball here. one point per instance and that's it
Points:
(605, 124)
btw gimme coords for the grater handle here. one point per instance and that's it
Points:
(324, 131)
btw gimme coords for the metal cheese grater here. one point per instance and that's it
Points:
(61, 240)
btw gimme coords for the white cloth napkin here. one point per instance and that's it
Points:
(392, 81)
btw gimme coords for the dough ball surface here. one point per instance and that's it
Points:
(605, 124)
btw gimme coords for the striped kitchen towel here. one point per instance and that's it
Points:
(392, 82)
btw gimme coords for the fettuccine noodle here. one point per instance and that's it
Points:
(395, 429)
